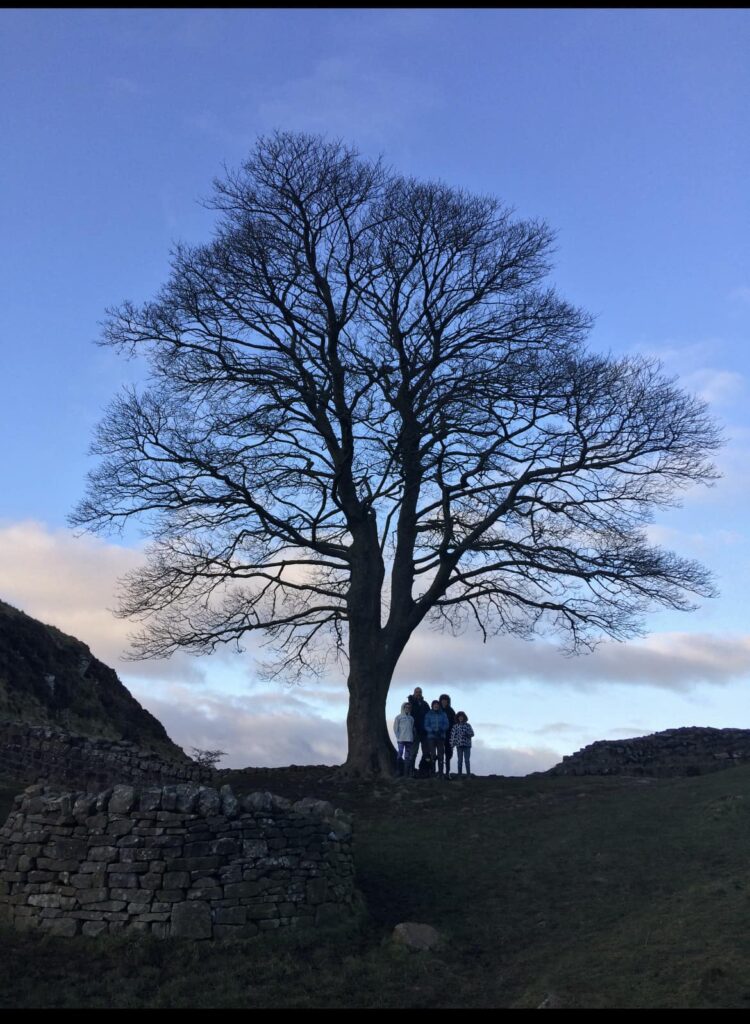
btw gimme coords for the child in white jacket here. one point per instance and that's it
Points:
(403, 728)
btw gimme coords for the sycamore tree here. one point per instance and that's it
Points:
(365, 410)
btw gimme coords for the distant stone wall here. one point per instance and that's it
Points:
(40, 753)
(688, 751)
(184, 861)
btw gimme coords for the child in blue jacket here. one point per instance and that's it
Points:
(436, 729)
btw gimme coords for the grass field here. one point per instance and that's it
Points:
(573, 892)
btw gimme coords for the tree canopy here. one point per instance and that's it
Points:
(365, 410)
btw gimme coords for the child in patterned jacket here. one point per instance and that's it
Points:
(460, 740)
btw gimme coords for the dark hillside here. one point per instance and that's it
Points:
(48, 678)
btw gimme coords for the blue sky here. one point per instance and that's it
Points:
(627, 131)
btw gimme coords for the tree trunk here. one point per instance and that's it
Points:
(370, 749)
(371, 659)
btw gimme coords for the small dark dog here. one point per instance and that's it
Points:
(426, 768)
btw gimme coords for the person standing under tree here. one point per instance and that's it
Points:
(419, 708)
(436, 728)
(403, 728)
(445, 705)
(461, 735)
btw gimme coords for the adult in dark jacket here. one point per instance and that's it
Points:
(445, 705)
(436, 728)
(419, 708)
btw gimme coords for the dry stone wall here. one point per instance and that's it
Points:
(42, 753)
(689, 751)
(181, 860)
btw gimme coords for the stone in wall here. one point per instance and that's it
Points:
(183, 860)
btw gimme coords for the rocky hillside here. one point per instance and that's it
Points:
(689, 751)
(49, 678)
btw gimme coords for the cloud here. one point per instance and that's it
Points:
(273, 730)
(717, 387)
(510, 761)
(695, 364)
(69, 582)
(628, 732)
(672, 661)
(679, 357)
(260, 730)
(700, 544)
(557, 728)
(732, 488)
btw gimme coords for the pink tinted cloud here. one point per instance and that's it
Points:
(69, 582)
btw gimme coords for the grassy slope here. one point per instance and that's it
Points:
(587, 892)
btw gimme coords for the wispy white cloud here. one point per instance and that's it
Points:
(693, 541)
(717, 387)
(733, 462)
(557, 729)
(672, 661)
(681, 357)
(705, 367)
(486, 760)
(626, 732)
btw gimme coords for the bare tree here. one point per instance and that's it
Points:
(207, 758)
(365, 410)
